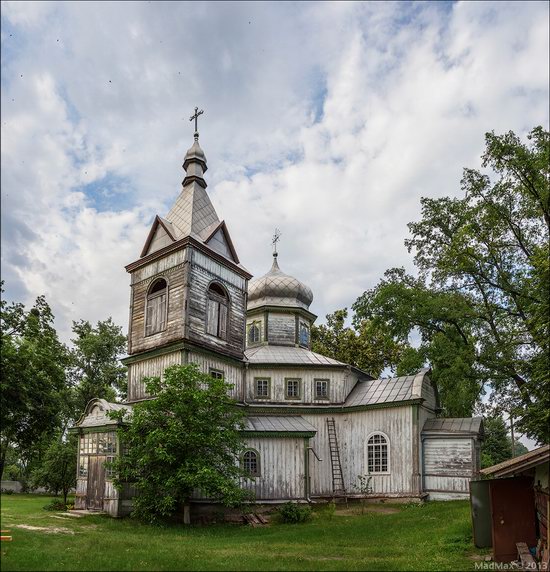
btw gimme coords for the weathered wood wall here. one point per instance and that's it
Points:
(341, 383)
(282, 468)
(173, 268)
(232, 373)
(449, 464)
(148, 368)
(353, 430)
(281, 329)
(203, 271)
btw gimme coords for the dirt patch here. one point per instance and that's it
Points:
(378, 509)
(46, 529)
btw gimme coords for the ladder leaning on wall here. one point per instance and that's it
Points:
(338, 487)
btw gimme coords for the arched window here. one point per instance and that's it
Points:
(155, 320)
(217, 311)
(377, 452)
(254, 333)
(251, 463)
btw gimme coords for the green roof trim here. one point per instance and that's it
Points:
(252, 409)
(279, 434)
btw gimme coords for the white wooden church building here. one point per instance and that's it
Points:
(314, 424)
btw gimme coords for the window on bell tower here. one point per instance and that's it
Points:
(217, 312)
(156, 308)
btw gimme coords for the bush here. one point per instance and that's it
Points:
(6, 491)
(56, 505)
(293, 513)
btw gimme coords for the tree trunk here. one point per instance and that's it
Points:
(3, 459)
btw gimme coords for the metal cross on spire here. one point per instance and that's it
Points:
(195, 116)
(275, 240)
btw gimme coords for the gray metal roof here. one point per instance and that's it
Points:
(95, 414)
(387, 390)
(278, 289)
(469, 425)
(274, 423)
(288, 355)
(520, 464)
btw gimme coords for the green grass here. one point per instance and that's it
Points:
(436, 536)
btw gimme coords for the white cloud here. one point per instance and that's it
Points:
(328, 120)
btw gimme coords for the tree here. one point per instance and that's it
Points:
(57, 472)
(496, 446)
(367, 347)
(481, 301)
(33, 382)
(185, 439)
(96, 370)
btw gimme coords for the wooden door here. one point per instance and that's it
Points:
(96, 482)
(513, 516)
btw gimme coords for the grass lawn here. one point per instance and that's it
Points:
(436, 536)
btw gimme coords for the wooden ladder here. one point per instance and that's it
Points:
(338, 488)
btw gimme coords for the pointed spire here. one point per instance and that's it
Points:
(194, 162)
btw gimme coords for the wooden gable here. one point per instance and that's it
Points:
(161, 234)
(220, 241)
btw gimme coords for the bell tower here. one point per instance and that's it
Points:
(188, 288)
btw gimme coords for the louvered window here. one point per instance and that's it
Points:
(156, 310)
(217, 311)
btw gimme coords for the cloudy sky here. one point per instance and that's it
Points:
(327, 120)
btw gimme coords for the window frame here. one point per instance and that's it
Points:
(249, 326)
(293, 397)
(258, 472)
(213, 370)
(315, 394)
(387, 444)
(256, 394)
(154, 296)
(221, 301)
(308, 329)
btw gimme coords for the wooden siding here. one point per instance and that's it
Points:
(281, 329)
(202, 272)
(340, 384)
(232, 374)
(282, 466)
(448, 464)
(352, 431)
(173, 269)
(110, 496)
(148, 368)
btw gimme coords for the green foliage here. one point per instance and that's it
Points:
(32, 378)
(435, 536)
(481, 302)
(364, 346)
(496, 446)
(96, 370)
(57, 472)
(56, 505)
(185, 439)
(294, 513)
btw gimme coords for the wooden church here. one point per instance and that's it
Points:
(314, 424)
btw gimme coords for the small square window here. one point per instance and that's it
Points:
(109, 471)
(293, 389)
(321, 389)
(261, 387)
(216, 373)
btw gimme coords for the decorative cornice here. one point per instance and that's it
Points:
(194, 179)
(252, 409)
(183, 242)
(281, 310)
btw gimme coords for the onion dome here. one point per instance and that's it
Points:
(278, 289)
